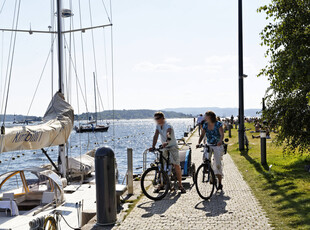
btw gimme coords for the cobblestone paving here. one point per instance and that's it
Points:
(235, 208)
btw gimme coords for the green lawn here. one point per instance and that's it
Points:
(284, 189)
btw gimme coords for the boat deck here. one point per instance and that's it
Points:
(75, 193)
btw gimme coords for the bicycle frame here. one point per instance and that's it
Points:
(159, 161)
(164, 163)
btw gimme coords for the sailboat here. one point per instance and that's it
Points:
(41, 193)
(92, 125)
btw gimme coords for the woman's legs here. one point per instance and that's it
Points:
(217, 164)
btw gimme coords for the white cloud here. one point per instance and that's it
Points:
(157, 67)
(172, 60)
(213, 64)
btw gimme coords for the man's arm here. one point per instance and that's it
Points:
(155, 138)
(169, 130)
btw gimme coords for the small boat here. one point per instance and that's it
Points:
(36, 185)
(91, 128)
(91, 125)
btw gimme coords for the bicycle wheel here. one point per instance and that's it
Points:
(153, 180)
(205, 181)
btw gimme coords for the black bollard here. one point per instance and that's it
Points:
(229, 130)
(263, 148)
(105, 186)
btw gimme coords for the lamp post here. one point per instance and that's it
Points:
(241, 76)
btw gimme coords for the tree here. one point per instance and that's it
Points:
(287, 37)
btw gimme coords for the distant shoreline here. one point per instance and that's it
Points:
(143, 114)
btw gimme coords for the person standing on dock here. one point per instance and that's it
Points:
(200, 120)
(169, 143)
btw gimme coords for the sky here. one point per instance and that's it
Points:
(167, 54)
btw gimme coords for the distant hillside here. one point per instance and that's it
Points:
(145, 113)
(20, 118)
(130, 114)
(223, 112)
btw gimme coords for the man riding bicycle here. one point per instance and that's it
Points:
(213, 130)
(170, 145)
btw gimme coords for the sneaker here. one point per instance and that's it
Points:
(183, 190)
(220, 187)
(157, 190)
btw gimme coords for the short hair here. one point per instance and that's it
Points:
(212, 115)
(159, 115)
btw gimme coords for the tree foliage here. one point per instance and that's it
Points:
(287, 36)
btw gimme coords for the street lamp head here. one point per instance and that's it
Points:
(244, 75)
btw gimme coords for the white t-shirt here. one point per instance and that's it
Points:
(199, 119)
(163, 134)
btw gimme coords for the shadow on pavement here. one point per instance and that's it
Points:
(159, 207)
(216, 206)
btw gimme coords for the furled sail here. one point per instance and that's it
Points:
(55, 129)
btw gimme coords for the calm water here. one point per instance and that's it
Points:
(136, 134)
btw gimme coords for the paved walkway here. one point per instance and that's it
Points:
(235, 208)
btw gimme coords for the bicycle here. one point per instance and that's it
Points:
(159, 178)
(205, 180)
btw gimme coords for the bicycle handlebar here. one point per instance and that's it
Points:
(203, 145)
(156, 149)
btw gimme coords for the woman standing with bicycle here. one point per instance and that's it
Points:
(213, 131)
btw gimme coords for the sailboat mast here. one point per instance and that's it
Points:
(62, 159)
(95, 98)
(60, 47)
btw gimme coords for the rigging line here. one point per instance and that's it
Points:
(66, 67)
(52, 50)
(70, 45)
(9, 57)
(83, 57)
(106, 11)
(76, 85)
(2, 55)
(111, 11)
(106, 66)
(2, 6)
(99, 94)
(42, 72)
(77, 99)
(92, 36)
(11, 67)
(74, 52)
(112, 75)
(76, 75)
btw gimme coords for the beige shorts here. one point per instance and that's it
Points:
(174, 155)
(217, 163)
